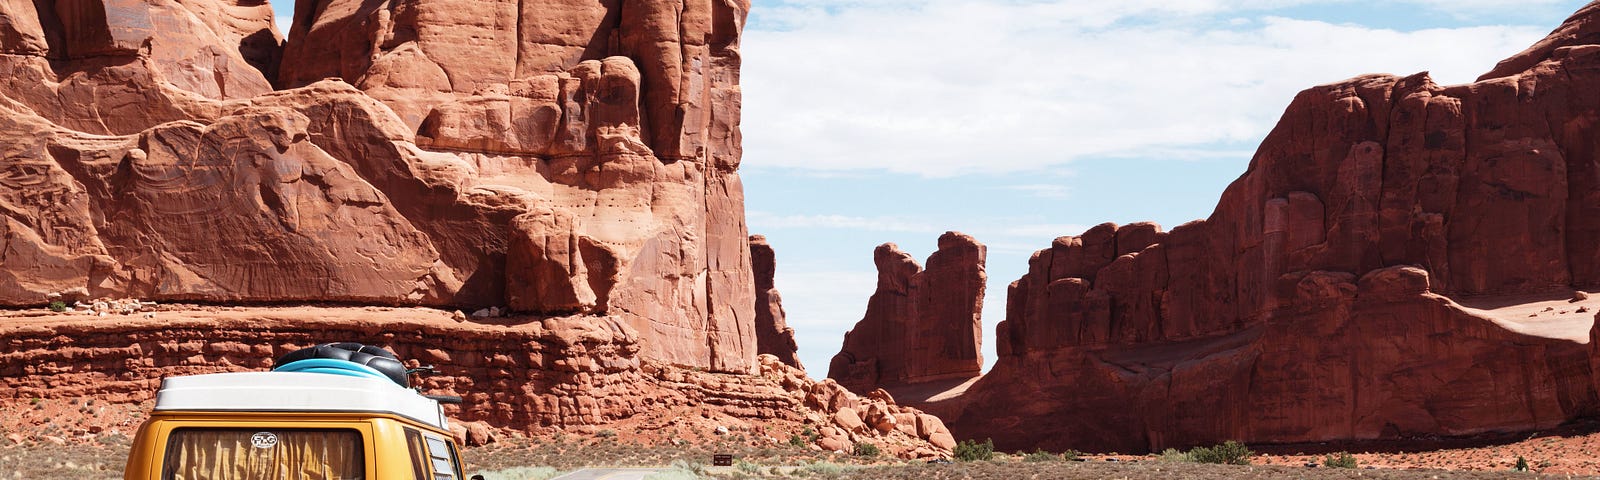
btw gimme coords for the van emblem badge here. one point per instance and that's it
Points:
(264, 440)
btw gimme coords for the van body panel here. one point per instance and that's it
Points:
(385, 455)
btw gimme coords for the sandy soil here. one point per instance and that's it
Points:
(1151, 470)
(1565, 316)
(104, 461)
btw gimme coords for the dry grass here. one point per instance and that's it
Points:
(1151, 470)
(571, 453)
(106, 459)
(103, 461)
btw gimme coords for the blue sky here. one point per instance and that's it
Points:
(1017, 121)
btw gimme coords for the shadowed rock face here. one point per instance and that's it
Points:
(557, 157)
(773, 335)
(920, 325)
(1375, 273)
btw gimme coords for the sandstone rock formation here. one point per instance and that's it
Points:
(773, 335)
(920, 325)
(1396, 262)
(568, 373)
(551, 156)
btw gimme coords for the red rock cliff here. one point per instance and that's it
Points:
(555, 157)
(1395, 262)
(920, 325)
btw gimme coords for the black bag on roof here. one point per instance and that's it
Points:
(379, 359)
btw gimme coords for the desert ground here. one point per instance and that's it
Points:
(83, 441)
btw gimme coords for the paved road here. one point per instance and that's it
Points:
(609, 474)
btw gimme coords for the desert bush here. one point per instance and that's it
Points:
(745, 467)
(865, 449)
(58, 306)
(1071, 455)
(679, 470)
(971, 450)
(1228, 453)
(518, 473)
(1339, 460)
(1040, 456)
(796, 441)
(1522, 464)
(607, 433)
(823, 468)
(1174, 455)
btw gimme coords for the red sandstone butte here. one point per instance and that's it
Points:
(1400, 260)
(773, 335)
(550, 156)
(921, 326)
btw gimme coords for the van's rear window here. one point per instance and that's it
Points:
(256, 454)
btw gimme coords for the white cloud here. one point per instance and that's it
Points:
(950, 87)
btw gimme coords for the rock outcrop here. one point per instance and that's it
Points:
(553, 157)
(1396, 262)
(921, 325)
(571, 374)
(773, 335)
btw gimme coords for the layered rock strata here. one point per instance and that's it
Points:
(921, 325)
(563, 373)
(773, 335)
(408, 160)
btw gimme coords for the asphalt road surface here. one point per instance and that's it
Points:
(609, 474)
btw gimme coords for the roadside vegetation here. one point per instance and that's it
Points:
(525, 459)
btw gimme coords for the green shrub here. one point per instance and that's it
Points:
(58, 306)
(1339, 460)
(971, 450)
(797, 441)
(607, 433)
(1040, 456)
(1071, 455)
(1522, 464)
(865, 449)
(745, 467)
(1228, 453)
(1174, 455)
(519, 473)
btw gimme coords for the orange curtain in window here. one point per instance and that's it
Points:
(196, 454)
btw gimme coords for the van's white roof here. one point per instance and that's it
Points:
(296, 392)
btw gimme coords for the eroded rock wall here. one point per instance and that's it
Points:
(408, 160)
(570, 374)
(920, 325)
(1323, 299)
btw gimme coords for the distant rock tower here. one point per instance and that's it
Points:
(773, 335)
(921, 325)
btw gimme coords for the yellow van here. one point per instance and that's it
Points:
(309, 419)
